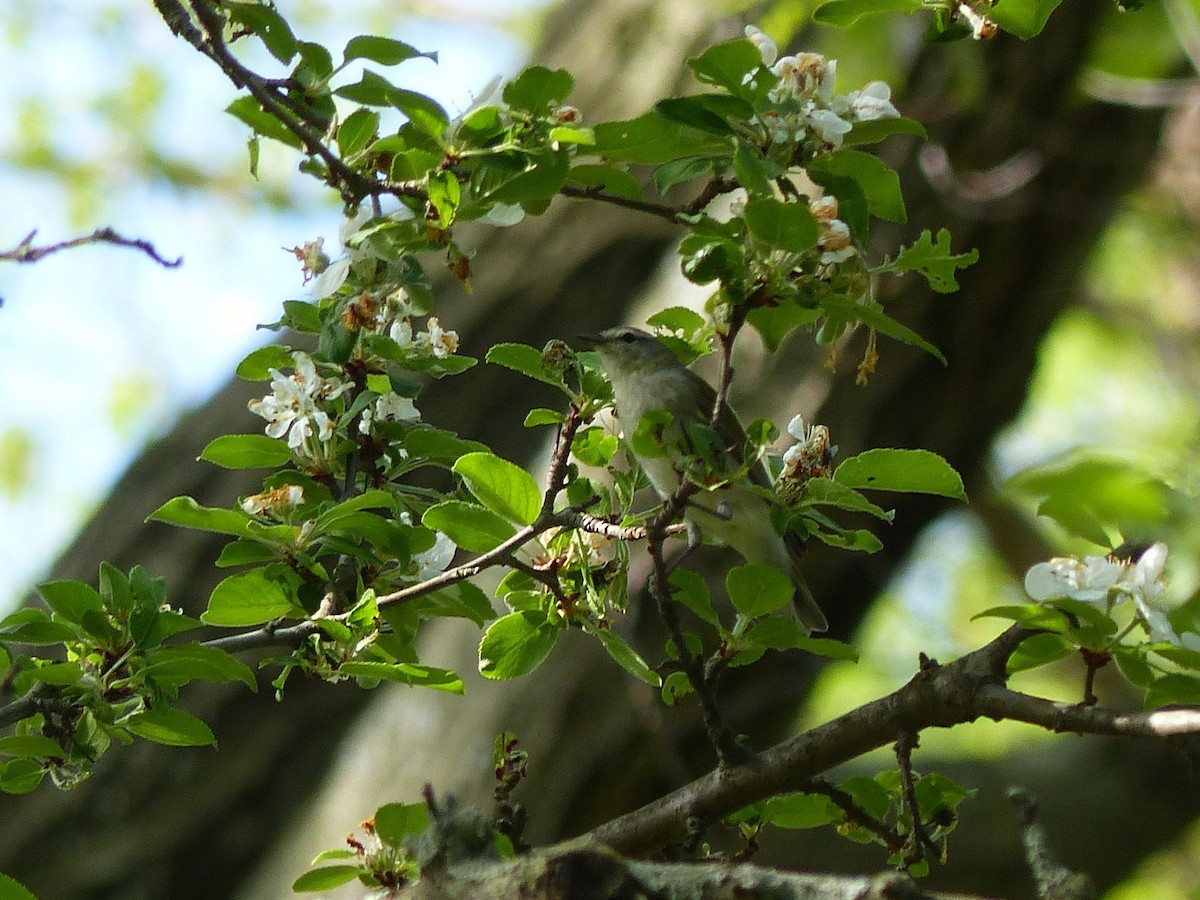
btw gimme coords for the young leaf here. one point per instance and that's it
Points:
(356, 132)
(325, 878)
(501, 486)
(846, 12)
(383, 50)
(251, 598)
(170, 726)
(918, 471)
(627, 658)
(933, 260)
(879, 183)
(70, 599)
(472, 527)
(516, 644)
(246, 451)
(536, 88)
(784, 226)
(396, 821)
(756, 590)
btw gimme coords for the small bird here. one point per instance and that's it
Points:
(646, 375)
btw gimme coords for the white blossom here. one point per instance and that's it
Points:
(874, 101)
(292, 406)
(1106, 580)
(829, 125)
(761, 40)
(335, 273)
(435, 560)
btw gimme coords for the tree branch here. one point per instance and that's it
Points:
(25, 252)
(967, 689)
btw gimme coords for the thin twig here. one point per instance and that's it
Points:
(25, 252)
(920, 844)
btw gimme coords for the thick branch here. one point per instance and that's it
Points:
(938, 696)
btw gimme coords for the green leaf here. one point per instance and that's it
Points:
(627, 658)
(1024, 18)
(404, 673)
(879, 183)
(873, 131)
(916, 471)
(177, 665)
(252, 598)
(782, 226)
(248, 111)
(541, 416)
(675, 687)
(707, 112)
(1038, 650)
(10, 889)
(827, 492)
(933, 260)
(472, 527)
(372, 89)
(516, 644)
(33, 626)
(268, 24)
(537, 87)
(756, 590)
(383, 50)
(691, 590)
(357, 131)
(20, 776)
(325, 878)
(844, 13)
(62, 674)
(1171, 690)
(396, 821)
(70, 599)
(801, 810)
(727, 65)
(242, 552)
(653, 139)
(501, 486)
(172, 727)
(246, 451)
(594, 446)
(608, 179)
(257, 364)
(187, 513)
(871, 314)
(1084, 493)
(33, 746)
(1031, 615)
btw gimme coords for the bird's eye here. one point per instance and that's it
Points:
(628, 337)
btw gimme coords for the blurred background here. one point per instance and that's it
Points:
(1072, 162)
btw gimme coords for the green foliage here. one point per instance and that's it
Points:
(117, 680)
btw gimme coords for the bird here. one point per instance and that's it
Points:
(646, 375)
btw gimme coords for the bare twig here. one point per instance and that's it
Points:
(25, 252)
(919, 842)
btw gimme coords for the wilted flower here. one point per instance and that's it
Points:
(286, 496)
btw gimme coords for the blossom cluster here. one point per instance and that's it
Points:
(1106, 581)
(804, 105)
(299, 405)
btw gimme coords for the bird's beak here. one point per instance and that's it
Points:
(592, 340)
